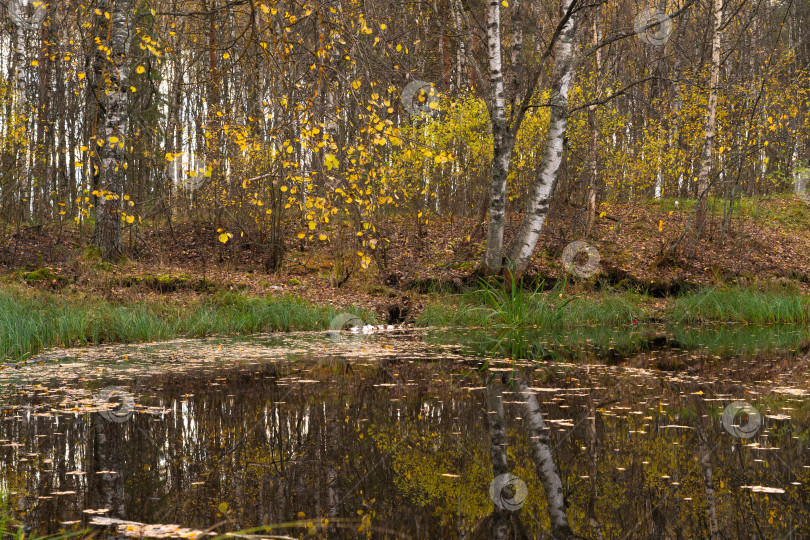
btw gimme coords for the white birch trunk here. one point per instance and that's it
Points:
(461, 53)
(501, 150)
(111, 153)
(522, 247)
(21, 60)
(711, 115)
(497, 452)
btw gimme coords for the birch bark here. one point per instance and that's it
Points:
(111, 153)
(521, 249)
(711, 115)
(501, 143)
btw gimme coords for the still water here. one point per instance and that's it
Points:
(390, 435)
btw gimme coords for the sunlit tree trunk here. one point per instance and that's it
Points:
(711, 114)
(521, 249)
(111, 154)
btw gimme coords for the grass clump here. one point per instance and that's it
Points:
(741, 304)
(514, 306)
(30, 323)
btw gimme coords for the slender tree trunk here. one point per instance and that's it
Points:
(502, 146)
(461, 53)
(21, 64)
(545, 465)
(594, 149)
(706, 468)
(521, 249)
(497, 451)
(111, 154)
(711, 115)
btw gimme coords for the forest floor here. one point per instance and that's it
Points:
(766, 245)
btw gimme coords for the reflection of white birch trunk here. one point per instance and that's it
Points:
(501, 143)
(497, 452)
(521, 249)
(706, 467)
(544, 463)
(711, 114)
(111, 153)
(593, 472)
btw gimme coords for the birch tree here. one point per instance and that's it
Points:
(522, 247)
(111, 143)
(501, 140)
(504, 130)
(711, 115)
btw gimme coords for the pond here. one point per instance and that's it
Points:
(394, 435)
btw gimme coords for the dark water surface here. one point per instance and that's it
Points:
(386, 436)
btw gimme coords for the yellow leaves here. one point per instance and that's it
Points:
(660, 225)
(224, 237)
(34, 63)
(301, 236)
(399, 47)
(265, 9)
(312, 225)
(322, 237)
(140, 70)
(226, 56)
(330, 161)
(357, 84)
(283, 188)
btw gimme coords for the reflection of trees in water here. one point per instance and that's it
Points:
(413, 454)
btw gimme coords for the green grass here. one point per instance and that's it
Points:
(32, 322)
(496, 307)
(785, 211)
(744, 305)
